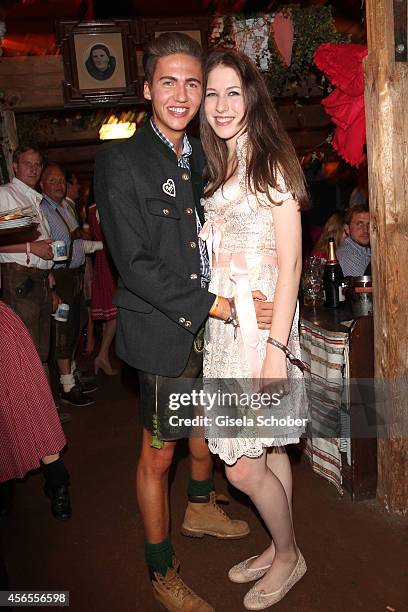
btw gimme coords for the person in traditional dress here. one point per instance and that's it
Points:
(252, 206)
(30, 431)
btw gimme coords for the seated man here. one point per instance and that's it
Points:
(354, 254)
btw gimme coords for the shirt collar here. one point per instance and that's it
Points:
(186, 149)
(25, 189)
(359, 247)
(50, 201)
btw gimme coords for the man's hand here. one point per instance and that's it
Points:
(51, 280)
(55, 298)
(86, 232)
(42, 248)
(263, 310)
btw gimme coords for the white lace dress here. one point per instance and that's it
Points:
(246, 226)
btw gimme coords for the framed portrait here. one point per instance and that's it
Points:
(100, 64)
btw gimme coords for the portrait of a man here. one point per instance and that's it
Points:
(100, 64)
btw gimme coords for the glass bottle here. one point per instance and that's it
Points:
(333, 279)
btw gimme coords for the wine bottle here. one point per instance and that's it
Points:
(333, 279)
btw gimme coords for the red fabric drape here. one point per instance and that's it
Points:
(343, 66)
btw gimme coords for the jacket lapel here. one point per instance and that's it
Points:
(197, 183)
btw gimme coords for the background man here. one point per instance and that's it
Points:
(25, 266)
(72, 193)
(148, 192)
(25, 269)
(69, 282)
(354, 254)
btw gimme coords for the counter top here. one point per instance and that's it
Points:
(328, 318)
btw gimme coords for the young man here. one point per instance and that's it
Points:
(148, 194)
(354, 254)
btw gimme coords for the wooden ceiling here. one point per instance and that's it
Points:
(38, 16)
(307, 126)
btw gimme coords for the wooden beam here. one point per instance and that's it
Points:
(386, 89)
(32, 83)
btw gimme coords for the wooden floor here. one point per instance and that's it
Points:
(356, 554)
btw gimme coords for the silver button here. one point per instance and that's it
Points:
(189, 211)
(182, 320)
(193, 245)
(193, 276)
(166, 211)
(185, 176)
(187, 323)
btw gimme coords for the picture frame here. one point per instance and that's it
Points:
(196, 27)
(100, 64)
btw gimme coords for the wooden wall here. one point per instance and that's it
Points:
(34, 84)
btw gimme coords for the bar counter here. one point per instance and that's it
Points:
(338, 347)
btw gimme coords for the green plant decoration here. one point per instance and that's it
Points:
(312, 26)
(30, 129)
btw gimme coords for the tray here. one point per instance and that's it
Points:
(14, 230)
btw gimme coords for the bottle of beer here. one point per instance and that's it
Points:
(333, 279)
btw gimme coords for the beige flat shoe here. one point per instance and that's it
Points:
(242, 573)
(259, 600)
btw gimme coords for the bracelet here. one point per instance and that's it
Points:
(232, 319)
(28, 251)
(294, 360)
(214, 307)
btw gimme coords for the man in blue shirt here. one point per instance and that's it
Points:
(68, 277)
(354, 254)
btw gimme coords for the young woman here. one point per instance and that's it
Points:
(252, 203)
(334, 228)
(103, 289)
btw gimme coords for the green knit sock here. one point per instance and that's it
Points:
(159, 557)
(200, 488)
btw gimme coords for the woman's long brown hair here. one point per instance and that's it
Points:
(270, 151)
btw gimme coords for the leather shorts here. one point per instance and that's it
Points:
(156, 393)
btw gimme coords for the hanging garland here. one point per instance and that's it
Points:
(254, 34)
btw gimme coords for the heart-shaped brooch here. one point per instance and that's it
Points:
(169, 188)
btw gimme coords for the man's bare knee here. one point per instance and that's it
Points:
(155, 461)
(199, 448)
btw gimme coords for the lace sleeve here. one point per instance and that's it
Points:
(275, 196)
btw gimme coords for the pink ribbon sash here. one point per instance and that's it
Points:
(211, 233)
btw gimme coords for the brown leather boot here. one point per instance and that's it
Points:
(174, 595)
(209, 519)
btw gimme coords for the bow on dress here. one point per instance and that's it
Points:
(212, 233)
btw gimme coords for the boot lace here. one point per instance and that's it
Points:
(173, 582)
(218, 497)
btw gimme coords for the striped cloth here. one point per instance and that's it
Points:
(326, 353)
(59, 230)
(29, 425)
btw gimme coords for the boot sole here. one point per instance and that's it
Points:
(64, 401)
(162, 606)
(195, 533)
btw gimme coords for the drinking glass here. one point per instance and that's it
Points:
(312, 281)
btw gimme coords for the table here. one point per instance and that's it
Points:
(337, 354)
